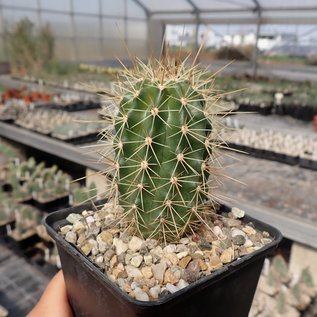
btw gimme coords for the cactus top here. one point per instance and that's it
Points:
(163, 149)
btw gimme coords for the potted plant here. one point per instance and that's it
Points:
(159, 247)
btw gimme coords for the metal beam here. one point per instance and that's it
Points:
(82, 14)
(258, 10)
(196, 11)
(145, 9)
(224, 20)
(239, 10)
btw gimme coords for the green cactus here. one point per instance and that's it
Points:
(164, 149)
(83, 194)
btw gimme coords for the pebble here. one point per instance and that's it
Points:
(248, 243)
(184, 261)
(159, 270)
(181, 255)
(86, 248)
(66, 229)
(170, 248)
(214, 263)
(266, 241)
(169, 277)
(141, 295)
(191, 273)
(237, 213)
(209, 236)
(184, 241)
(148, 259)
(181, 284)
(99, 259)
(113, 261)
(227, 255)
(79, 227)
(233, 222)
(120, 245)
(218, 232)
(202, 265)
(136, 260)
(204, 245)
(134, 272)
(238, 232)
(171, 288)
(71, 237)
(81, 239)
(242, 251)
(155, 291)
(72, 218)
(108, 255)
(238, 240)
(249, 230)
(135, 244)
(105, 237)
(172, 258)
(90, 220)
(134, 285)
(147, 272)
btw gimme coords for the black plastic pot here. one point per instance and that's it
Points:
(6, 228)
(227, 292)
(306, 163)
(23, 244)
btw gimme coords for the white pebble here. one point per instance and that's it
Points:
(181, 284)
(171, 288)
(141, 295)
(155, 291)
(237, 213)
(72, 218)
(71, 237)
(135, 244)
(181, 255)
(148, 260)
(136, 260)
(120, 246)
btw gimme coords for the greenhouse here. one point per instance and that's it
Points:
(158, 158)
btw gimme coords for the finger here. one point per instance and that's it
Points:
(54, 300)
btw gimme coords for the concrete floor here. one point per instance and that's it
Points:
(21, 282)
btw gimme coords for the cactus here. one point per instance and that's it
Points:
(83, 194)
(165, 124)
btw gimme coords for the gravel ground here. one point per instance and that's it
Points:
(288, 189)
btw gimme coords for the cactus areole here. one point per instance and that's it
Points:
(163, 148)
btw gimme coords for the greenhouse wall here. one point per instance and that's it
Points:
(93, 31)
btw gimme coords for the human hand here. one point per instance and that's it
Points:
(54, 301)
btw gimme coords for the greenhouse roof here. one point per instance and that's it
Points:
(231, 11)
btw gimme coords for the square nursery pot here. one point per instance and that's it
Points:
(227, 292)
(307, 163)
(5, 228)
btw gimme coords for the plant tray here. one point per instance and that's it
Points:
(53, 205)
(24, 244)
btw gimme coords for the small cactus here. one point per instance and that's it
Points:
(163, 147)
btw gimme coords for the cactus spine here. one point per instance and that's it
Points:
(163, 149)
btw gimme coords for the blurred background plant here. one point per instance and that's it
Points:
(30, 49)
